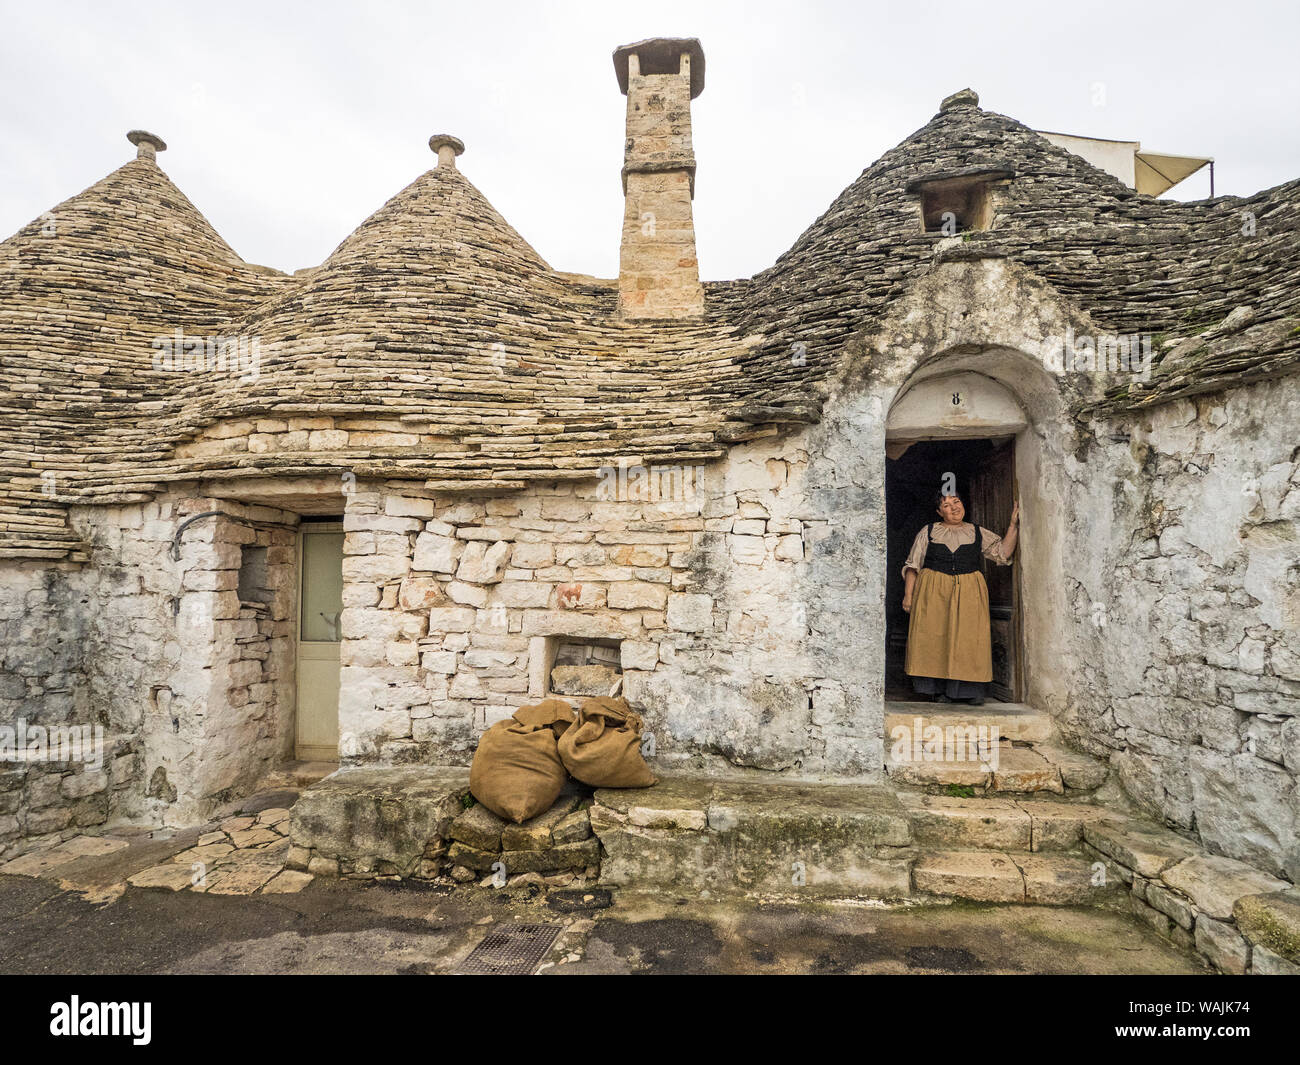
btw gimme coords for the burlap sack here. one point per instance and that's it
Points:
(555, 714)
(517, 772)
(604, 749)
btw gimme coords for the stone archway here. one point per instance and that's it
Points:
(963, 425)
(990, 318)
(1013, 395)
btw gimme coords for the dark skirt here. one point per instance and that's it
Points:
(953, 689)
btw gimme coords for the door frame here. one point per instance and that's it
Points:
(1017, 689)
(1018, 648)
(308, 752)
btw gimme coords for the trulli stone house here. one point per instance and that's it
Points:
(363, 511)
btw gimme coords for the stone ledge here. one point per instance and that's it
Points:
(1194, 898)
(738, 836)
(413, 821)
(1145, 849)
(1215, 884)
(380, 820)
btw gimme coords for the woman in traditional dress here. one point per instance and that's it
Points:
(949, 643)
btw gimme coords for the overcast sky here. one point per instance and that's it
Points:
(289, 123)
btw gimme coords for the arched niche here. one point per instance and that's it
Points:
(962, 405)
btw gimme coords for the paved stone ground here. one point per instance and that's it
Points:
(344, 927)
(216, 898)
(331, 926)
(240, 853)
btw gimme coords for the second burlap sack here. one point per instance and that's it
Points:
(603, 749)
(517, 772)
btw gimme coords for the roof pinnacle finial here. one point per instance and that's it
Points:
(447, 147)
(964, 98)
(147, 145)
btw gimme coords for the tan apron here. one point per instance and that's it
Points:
(949, 635)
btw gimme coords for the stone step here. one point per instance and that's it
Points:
(999, 769)
(997, 876)
(997, 823)
(1079, 772)
(1016, 769)
(694, 834)
(942, 744)
(375, 819)
(739, 837)
(297, 775)
(1024, 769)
(1013, 721)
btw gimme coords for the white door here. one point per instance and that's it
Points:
(320, 599)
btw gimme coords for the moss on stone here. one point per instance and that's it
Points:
(1272, 921)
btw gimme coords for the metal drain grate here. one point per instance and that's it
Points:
(511, 950)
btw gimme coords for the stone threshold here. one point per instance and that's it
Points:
(930, 745)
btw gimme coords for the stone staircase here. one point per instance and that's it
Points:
(1005, 850)
(1021, 827)
(1013, 825)
(783, 837)
(951, 745)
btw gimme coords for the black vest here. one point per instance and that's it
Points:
(966, 559)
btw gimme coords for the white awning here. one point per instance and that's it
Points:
(1153, 173)
(1157, 174)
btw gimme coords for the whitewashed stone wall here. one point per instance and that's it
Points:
(217, 706)
(1185, 617)
(449, 606)
(193, 691)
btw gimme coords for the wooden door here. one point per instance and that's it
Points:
(992, 495)
(320, 601)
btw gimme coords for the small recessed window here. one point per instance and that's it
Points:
(254, 579)
(957, 205)
(587, 667)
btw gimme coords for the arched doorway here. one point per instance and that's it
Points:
(961, 426)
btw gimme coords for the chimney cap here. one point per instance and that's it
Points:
(447, 148)
(446, 140)
(963, 98)
(659, 55)
(146, 143)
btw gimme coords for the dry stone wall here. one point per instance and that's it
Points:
(1185, 617)
(454, 609)
(45, 629)
(190, 689)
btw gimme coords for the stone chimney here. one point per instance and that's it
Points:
(658, 274)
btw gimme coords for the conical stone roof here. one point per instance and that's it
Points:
(437, 315)
(84, 290)
(1134, 263)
